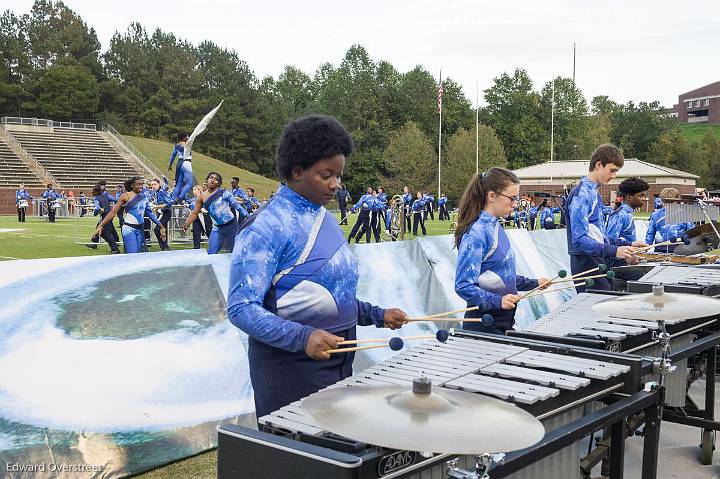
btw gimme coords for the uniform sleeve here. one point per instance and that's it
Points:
(359, 203)
(242, 212)
(150, 214)
(525, 284)
(652, 228)
(470, 254)
(369, 315)
(628, 233)
(579, 210)
(172, 156)
(255, 261)
(96, 205)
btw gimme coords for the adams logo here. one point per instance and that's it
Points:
(395, 461)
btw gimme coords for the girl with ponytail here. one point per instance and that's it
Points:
(485, 274)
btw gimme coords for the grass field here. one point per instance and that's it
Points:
(158, 152)
(694, 132)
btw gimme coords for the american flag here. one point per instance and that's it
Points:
(441, 90)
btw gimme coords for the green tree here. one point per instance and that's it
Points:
(514, 111)
(637, 127)
(570, 122)
(67, 92)
(460, 158)
(409, 160)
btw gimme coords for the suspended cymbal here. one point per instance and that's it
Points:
(660, 306)
(443, 421)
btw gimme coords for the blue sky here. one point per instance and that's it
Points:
(629, 50)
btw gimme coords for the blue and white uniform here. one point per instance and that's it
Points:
(486, 272)
(658, 203)
(245, 199)
(284, 284)
(588, 245)
(547, 217)
(134, 222)
(658, 231)
(183, 172)
(221, 206)
(620, 224)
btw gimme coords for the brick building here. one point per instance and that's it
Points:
(701, 105)
(554, 177)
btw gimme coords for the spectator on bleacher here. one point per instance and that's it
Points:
(22, 197)
(102, 202)
(183, 169)
(51, 196)
(162, 202)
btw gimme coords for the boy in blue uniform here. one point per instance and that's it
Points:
(442, 208)
(588, 245)
(51, 196)
(485, 274)
(620, 223)
(407, 201)
(363, 218)
(419, 210)
(659, 231)
(293, 278)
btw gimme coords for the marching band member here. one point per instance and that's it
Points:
(658, 228)
(102, 204)
(407, 201)
(21, 201)
(52, 204)
(292, 290)
(485, 274)
(547, 215)
(199, 227)
(183, 170)
(442, 208)
(239, 193)
(429, 205)
(419, 210)
(620, 223)
(363, 218)
(343, 197)
(219, 204)
(252, 200)
(377, 208)
(163, 202)
(136, 206)
(588, 245)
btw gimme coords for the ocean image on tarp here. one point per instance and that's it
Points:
(125, 363)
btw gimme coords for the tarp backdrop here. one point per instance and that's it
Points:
(114, 365)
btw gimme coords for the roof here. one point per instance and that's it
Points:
(578, 169)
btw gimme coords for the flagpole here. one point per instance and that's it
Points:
(477, 130)
(552, 128)
(439, 135)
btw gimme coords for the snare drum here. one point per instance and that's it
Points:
(55, 204)
(22, 204)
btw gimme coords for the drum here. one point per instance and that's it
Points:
(22, 204)
(55, 204)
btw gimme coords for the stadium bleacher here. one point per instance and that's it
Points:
(13, 171)
(75, 158)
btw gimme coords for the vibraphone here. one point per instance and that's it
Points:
(679, 279)
(556, 383)
(677, 212)
(575, 322)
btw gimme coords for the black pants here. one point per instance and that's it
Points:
(531, 223)
(198, 228)
(51, 214)
(372, 225)
(580, 263)
(82, 210)
(408, 225)
(443, 214)
(363, 220)
(418, 219)
(343, 214)
(430, 211)
(121, 216)
(164, 220)
(21, 214)
(109, 234)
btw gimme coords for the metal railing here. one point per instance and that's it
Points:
(16, 120)
(138, 158)
(30, 161)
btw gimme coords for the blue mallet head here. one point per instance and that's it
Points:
(396, 344)
(562, 273)
(484, 306)
(602, 267)
(589, 282)
(442, 335)
(685, 239)
(610, 274)
(487, 320)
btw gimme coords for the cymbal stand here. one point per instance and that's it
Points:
(702, 205)
(482, 466)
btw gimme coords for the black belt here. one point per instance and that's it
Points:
(137, 227)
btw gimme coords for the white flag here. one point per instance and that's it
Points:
(199, 129)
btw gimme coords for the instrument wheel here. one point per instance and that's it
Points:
(707, 446)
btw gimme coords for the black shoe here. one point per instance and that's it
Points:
(117, 251)
(91, 246)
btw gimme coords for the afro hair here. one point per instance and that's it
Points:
(309, 139)
(633, 185)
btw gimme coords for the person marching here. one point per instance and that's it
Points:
(199, 227)
(657, 201)
(419, 210)
(102, 204)
(239, 193)
(442, 208)
(21, 202)
(83, 202)
(183, 170)
(588, 245)
(383, 198)
(343, 196)
(377, 209)
(407, 201)
(363, 218)
(429, 205)
(51, 197)
(136, 205)
(547, 215)
(485, 274)
(293, 289)
(659, 229)
(252, 200)
(160, 198)
(219, 204)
